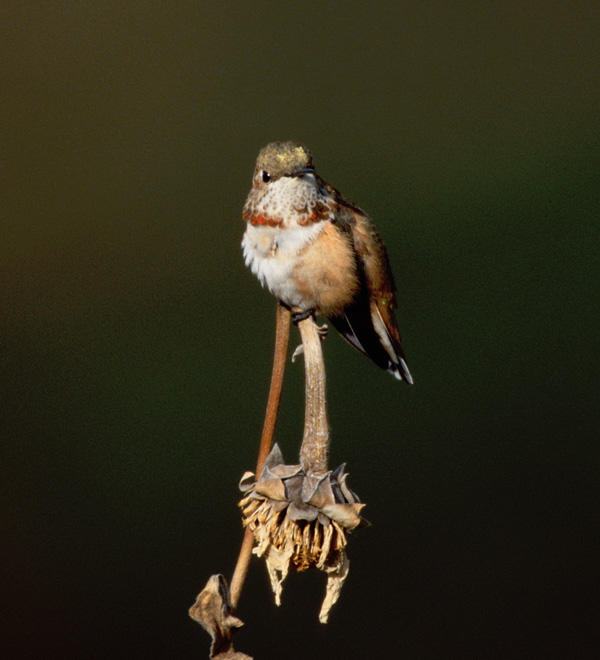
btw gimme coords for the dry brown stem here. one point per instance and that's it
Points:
(282, 335)
(315, 442)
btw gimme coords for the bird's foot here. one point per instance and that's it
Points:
(302, 315)
(322, 331)
(298, 351)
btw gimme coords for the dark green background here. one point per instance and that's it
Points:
(136, 347)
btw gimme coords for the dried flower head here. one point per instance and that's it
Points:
(300, 520)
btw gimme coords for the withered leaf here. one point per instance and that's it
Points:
(212, 610)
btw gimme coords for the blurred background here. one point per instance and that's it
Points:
(136, 347)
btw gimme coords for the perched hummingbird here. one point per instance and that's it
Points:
(320, 254)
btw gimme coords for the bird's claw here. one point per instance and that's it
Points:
(302, 315)
(322, 331)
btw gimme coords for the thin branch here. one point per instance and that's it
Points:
(282, 335)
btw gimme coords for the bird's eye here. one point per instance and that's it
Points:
(266, 176)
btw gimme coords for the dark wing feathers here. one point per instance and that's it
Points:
(370, 324)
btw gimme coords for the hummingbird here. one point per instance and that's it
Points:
(319, 253)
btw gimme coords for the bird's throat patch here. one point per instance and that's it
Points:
(260, 219)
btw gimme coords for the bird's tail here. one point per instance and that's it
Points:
(368, 334)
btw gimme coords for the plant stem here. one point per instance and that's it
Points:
(315, 442)
(282, 335)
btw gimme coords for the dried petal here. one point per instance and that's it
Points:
(293, 487)
(278, 564)
(301, 511)
(275, 456)
(335, 580)
(347, 515)
(348, 494)
(271, 488)
(247, 481)
(338, 472)
(286, 471)
(322, 494)
(279, 505)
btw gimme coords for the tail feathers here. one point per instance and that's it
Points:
(390, 339)
(357, 328)
(401, 371)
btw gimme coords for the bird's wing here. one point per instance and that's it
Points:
(377, 271)
(370, 323)
(382, 290)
